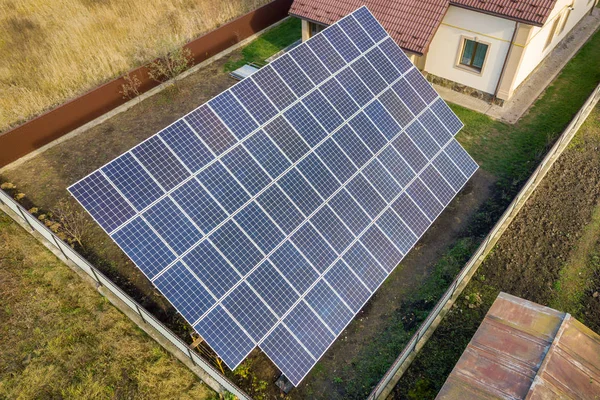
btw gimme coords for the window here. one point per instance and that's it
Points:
(552, 33)
(473, 54)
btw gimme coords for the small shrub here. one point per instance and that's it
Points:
(72, 221)
(171, 65)
(131, 88)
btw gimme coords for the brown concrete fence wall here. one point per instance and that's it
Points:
(61, 120)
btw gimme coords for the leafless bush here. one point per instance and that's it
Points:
(73, 222)
(131, 88)
(170, 65)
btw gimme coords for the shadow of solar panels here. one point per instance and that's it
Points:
(271, 214)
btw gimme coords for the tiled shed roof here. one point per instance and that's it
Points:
(526, 351)
(413, 23)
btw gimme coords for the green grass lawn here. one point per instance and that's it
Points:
(60, 339)
(268, 44)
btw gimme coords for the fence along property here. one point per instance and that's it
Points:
(138, 314)
(389, 380)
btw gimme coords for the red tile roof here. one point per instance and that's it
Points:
(523, 350)
(412, 23)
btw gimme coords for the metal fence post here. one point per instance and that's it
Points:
(25, 218)
(60, 248)
(140, 312)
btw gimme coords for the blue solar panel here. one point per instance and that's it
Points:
(305, 124)
(355, 218)
(408, 95)
(273, 288)
(267, 154)
(225, 336)
(396, 166)
(425, 199)
(300, 192)
(233, 114)
(342, 43)
(332, 228)
(144, 247)
(186, 293)
(336, 160)
(287, 139)
(309, 329)
(340, 99)
(292, 74)
(285, 351)
(249, 94)
(366, 196)
(329, 306)
(271, 214)
(382, 65)
(359, 36)
(308, 61)
(364, 127)
(367, 268)
(210, 129)
(211, 267)
(259, 227)
(382, 248)
(187, 145)
(236, 247)
(382, 181)
(354, 86)
(445, 114)
(383, 120)
(173, 225)
(422, 139)
(274, 87)
(326, 53)
(250, 311)
(296, 269)
(102, 201)
(318, 175)
(314, 247)
(323, 111)
(396, 107)
(246, 170)
(435, 128)
(223, 186)
(199, 205)
(285, 214)
(369, 76)
(398, 232)
(347, 286)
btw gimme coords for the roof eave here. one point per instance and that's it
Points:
(521, 20)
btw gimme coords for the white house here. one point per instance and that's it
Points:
(483, 47)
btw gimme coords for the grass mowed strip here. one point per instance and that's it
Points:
(53, 51)
(554, 239)
(61, 339)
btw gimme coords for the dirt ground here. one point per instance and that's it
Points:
(44, 180)
(529, 261)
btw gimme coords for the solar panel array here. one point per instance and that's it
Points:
(270, 215)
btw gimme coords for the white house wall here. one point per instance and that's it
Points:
(459, 23)
(534, 50)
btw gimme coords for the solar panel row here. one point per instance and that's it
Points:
(271, 214)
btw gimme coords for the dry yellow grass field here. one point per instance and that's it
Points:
(59, 339)
(53, 50)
